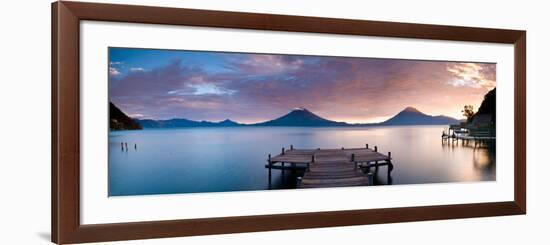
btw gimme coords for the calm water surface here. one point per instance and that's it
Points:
(232, 159)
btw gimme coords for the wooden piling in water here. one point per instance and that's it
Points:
(370, 176)
(269, 163)
(375, 148)
(312, 161)
(390, 166)
(353, 160)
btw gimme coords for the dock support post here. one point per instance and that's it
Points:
(269, 164)
(283, 171)
(367, 145)
(370, 178)
(283, 151)
(312, 161)
(390, 168)
(291, 147)
(375, 148)
(353, 160)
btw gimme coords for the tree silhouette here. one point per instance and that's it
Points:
(468, 112)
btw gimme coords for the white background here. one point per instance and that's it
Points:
(97, 207)
(25, 123)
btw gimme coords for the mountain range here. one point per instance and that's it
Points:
(302, 117)
(184, 123)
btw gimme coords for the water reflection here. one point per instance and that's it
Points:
(482, 152)
(233, 159)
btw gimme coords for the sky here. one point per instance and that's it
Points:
(249, 88)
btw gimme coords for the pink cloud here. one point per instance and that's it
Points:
(260, 87)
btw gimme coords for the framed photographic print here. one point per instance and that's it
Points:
(176, 122)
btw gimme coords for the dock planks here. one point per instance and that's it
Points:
(333, 174)
(332, 167)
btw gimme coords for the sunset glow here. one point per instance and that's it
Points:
(248, 88)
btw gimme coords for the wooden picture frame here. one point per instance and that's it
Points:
(65, 173)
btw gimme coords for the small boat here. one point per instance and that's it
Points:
(460, 131)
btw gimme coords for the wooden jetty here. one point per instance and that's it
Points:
(331, 167)
(477, 136)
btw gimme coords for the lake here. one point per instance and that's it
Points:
(218, 159)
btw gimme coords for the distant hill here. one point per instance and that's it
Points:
(118, 120)
(488, 106)
(412, 116)
(301, 117)
(185, 123)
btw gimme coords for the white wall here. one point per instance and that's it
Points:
(25, 121)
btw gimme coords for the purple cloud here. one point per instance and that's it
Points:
(256, 87)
